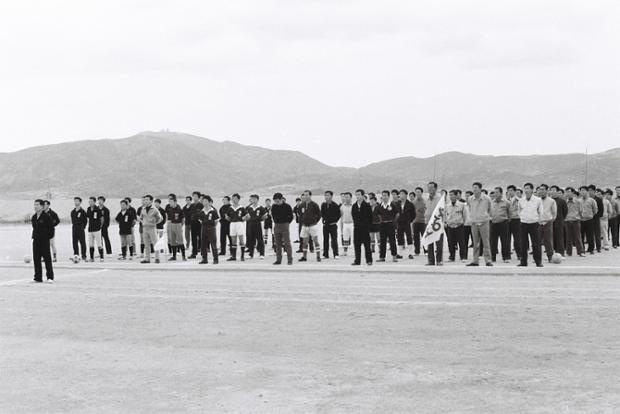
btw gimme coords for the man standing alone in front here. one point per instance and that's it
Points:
(42, 227)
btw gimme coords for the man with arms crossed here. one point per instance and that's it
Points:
(589, 209)
(419, 226)
(406, 216)
(388, 211)
(572, 222)
(559, 245)
(105, 213)
(208, 238)
(456, 214)
(125, 220)
(550, 210)
(195, 224)
(500, 214)
(530, 213)
(187, 219)
(282, 215)
(513, 201)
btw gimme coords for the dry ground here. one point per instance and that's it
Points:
(308, 342)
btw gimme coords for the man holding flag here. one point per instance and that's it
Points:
(433, 236)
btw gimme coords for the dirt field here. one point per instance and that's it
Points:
(308, 342)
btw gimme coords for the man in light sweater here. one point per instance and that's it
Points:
(479, 209)
(530, 213)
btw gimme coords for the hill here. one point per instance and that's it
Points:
(161, 162)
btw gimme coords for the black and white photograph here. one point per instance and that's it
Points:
(310, 206)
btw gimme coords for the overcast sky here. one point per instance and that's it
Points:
(346, 82)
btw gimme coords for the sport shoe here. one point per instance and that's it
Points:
(157, 261)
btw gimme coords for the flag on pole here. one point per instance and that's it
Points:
(162, 243)
(435, 227)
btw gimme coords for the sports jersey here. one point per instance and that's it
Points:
(208, 217)
(78, 217)
(256, 213)
(174, 214)
(236, 214)
(125, 220)
(94, 218)
(345, 213)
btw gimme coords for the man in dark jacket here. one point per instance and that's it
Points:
(282, 215)
(558, 224)
(597, 216)
(388, 212)
(196, 226)
(79, 221)
(208, 238)
(42, 228)
(105, 213)
(330, 213)
(224, 226)
(55, 221)
(406, 216)
(362, 221)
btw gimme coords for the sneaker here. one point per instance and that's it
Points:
(262, 257)
(380, 260)
(122, 258)
(193, 256)
(521, 265)
(398, 256)
(203, 262)
(101, 260)
(395, 259)
(50, 281)
(303, 259)
(277, 262)
(215, 261)
(336, 257)
(439, 263)
(369, 263)
(539, 265)
(318, 257)
(231, 259)
(156, 261)
(489, 264)
(355, 264)
(172, 259)
(473, 264)
(145, 261)
(411, 257)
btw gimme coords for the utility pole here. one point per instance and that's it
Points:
(586, 183)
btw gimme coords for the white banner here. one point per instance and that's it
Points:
(435, 226)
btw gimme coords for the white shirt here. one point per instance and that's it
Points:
(530, 211)
(345, 213)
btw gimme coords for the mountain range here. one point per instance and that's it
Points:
(162, 162)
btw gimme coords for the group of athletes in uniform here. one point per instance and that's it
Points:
(521, 219)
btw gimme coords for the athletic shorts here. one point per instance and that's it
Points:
(310, 231)
(94, 237)
(237, 229)
(126, 240)
(175, 234)
(347, 231)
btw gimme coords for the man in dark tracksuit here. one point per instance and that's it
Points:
(254, 227)
(187, 220)
(42, 227)
(55, 222)
(282, 215)
(559, 244)
(388, 212)
(105, 213)
(406, 216)
(362, 221)
(208, 238)
(330, 213)
(597, 216)
(79, 221)
(224, 226)
(196, 226)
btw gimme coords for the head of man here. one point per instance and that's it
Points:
(519, 192)
(172, 200)
(385, 196)
(583, 191)
(157, 202)
(431, 187)
(395, 193)
(510, 191)
(418, 192)
(476, 189)
(328, 196)
(277, 199)
(402, 195)
(128, 199)
(453, 196)
(297, 201)
(306, 196)
(101, 201)
(124, 205)
(498, 193)
(225, 200)
(254, 199)
(359, 195)
(46, 205)
(609, 194)
(570, 193)
(77, 201)
(235, 199)
(528, 188)
(543, 190)
(147, 200)
(553, 191)
(188, 200)
(373, 201)
(92, 201)
(592, 190)
(267, 203)
(347, 198)
(207, 201)
(196, 196)
(38, 206)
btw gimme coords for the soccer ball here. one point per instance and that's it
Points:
(556, 258)
(27, 259)
(75, 259)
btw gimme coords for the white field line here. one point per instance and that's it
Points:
(72, 275)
